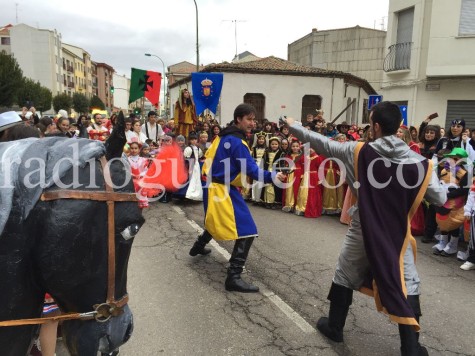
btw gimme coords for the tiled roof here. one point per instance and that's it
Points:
(268, 64)
(274, 65)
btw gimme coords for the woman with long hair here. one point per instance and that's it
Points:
(428, 140)
(404, 134)
(185, 114)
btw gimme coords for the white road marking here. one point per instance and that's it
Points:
(178, 210)
(213, 243)
(274, 298)
(288, 311)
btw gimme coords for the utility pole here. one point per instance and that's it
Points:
(16, 12)
(197, 41)
(235, 33)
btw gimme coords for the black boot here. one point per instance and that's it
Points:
(430, 226)
(200, 243)
(409, 337)
(409, 342)
(340, 300)
(234, 283)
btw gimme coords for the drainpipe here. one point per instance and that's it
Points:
(331, 101)
(358, 106)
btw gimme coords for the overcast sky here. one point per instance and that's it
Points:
(120, 32)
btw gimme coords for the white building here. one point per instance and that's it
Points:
(39, 55)
(278, 87)
(431, 61)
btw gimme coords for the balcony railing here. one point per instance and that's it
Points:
(398, 58)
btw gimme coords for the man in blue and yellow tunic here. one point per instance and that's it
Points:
(378, 255)
(227, 217)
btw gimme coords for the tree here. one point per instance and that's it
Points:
(62, 101)
(46, 98)
(97, 103)
(80, 103)
(32, 93)
(10, 79)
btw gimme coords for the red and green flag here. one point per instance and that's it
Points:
(145, 83)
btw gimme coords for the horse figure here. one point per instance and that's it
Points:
(61, 246)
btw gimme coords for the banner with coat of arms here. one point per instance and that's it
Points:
(206, 90)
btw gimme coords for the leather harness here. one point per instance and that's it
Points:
(111, 307)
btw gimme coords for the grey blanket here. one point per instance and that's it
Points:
(30, 165)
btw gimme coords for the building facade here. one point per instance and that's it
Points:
(105, 81)
(39, 55)
(82, 70)
(430, 64)
(356, 50)
(5, 39)
(69, 59)
(278, 87)
(121, 95)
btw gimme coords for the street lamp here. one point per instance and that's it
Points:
(165, 101)
(197, 43)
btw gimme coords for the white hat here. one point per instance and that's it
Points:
(9, 119)
(63, 113)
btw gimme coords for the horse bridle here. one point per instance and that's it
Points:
(111, 307)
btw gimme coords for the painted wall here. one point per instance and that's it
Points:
(449, 53)
(121, 92)
(355, 50)
(283, 90)
(428, 102)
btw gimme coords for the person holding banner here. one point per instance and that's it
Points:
(185, 114)
(378, 253)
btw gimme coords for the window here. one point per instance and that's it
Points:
(5, 41)
(467, 18)
(257, 100)
(310, 103)
(404, 36)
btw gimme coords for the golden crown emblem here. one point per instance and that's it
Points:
(206, 82)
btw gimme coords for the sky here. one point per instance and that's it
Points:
(119, 33)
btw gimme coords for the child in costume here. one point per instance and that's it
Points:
(333, 189)
(272, 193)
(258, 152)
(450, 216)
(139, 166)
(145, 151)
(294, 176)
(285, 146)
(193, 155)
(309, 197)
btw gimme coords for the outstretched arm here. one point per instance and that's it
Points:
(329, 148)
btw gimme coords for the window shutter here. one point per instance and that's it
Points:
(467, 18)
(405, 25)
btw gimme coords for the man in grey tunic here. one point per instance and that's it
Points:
(357, 260)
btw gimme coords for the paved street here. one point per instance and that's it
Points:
(181, 308)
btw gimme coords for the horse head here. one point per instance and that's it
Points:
(61, 246)
(90, 289)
